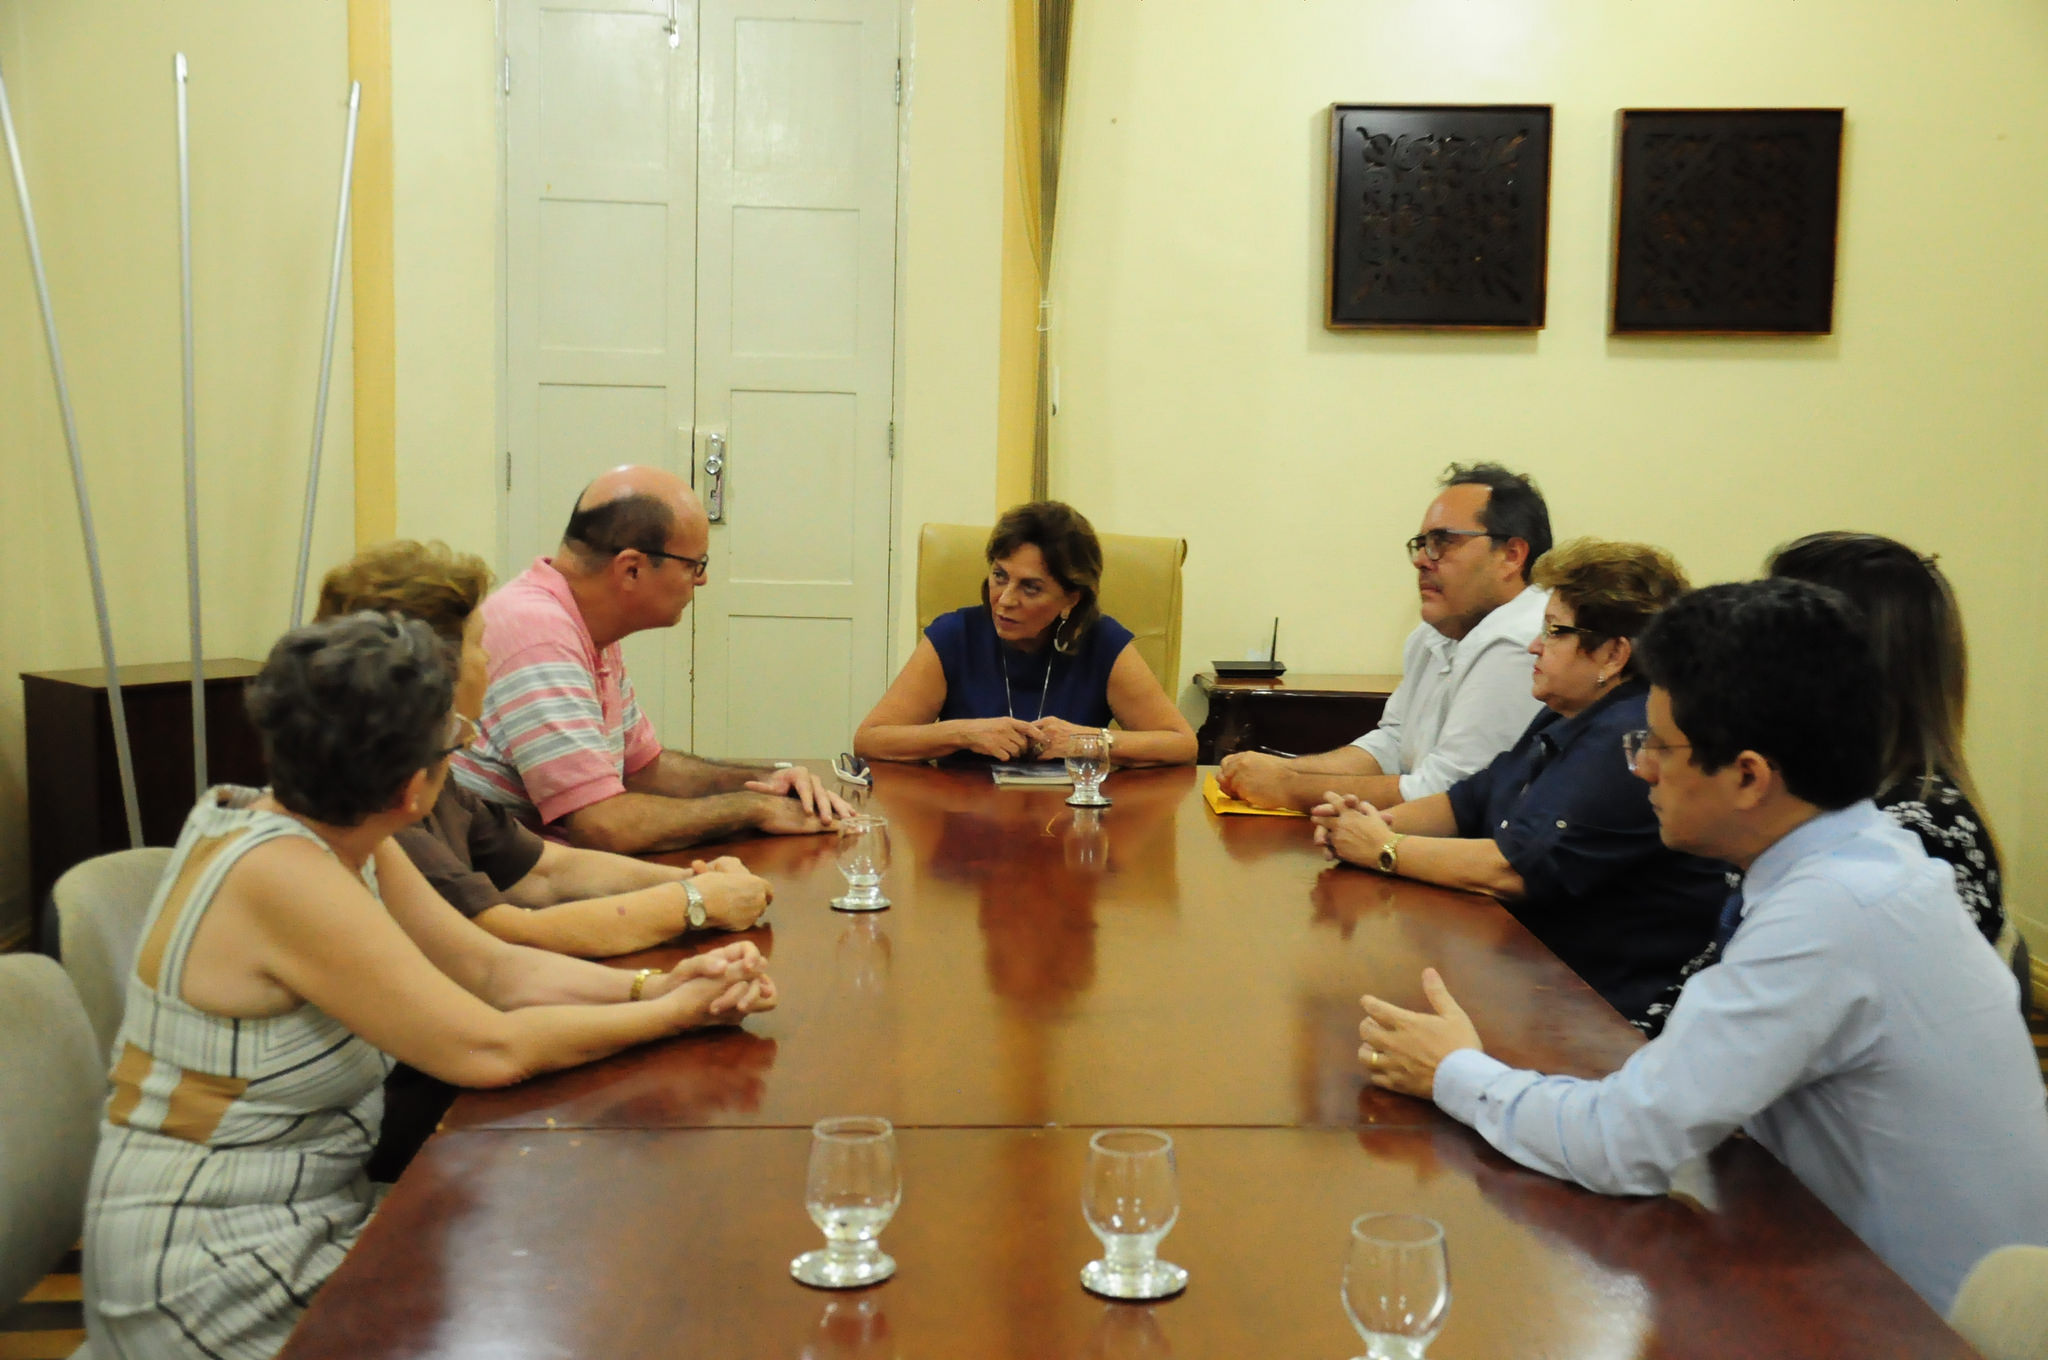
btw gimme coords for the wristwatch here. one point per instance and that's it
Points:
(698, 916)
(1388, 856)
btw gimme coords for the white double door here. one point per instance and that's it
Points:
(700, 254)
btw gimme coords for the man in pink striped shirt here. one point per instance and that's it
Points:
(563, 743)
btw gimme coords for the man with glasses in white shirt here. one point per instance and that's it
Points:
(1464, 695)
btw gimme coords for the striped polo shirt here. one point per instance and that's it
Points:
(561, 729)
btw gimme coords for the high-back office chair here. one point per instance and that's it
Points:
(100, 906)
(2002, 1308)
(1140, 586)
(54, 1079)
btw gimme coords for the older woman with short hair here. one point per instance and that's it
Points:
(1035, 663)
(290, 953)
(1558, 827)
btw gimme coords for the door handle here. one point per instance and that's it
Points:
(714, 478)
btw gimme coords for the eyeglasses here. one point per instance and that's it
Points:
(1633, 744)
(1434, 543)
(466, 734)
(1553, 631)
(700, 567)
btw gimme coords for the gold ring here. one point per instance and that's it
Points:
(1375, 1063)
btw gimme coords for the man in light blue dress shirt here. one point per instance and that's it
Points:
(1856, 1025)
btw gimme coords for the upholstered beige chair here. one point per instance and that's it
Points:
(100, 906)
(54, 1080)
(2002, 1308)
(1140, 586)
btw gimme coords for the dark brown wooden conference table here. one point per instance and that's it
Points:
(1043, 973)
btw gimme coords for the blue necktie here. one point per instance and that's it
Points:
(1731, 917)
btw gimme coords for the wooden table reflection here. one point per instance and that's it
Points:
(1041, 973)
(622, 1243)
(1149, 964)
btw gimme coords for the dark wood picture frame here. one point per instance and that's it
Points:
(1439, 216)
(1725, 221)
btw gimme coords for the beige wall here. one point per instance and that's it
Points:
(949, 272)
(92, 94)
(1202, 396)
(447, 191)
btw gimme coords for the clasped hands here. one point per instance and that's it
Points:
(1009, 738)
(1349, 828)
(720, 986)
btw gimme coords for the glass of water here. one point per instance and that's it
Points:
(1087, 763)
(851, 1192)
(1131, 1197)
(863, 858)
(1397, 1284)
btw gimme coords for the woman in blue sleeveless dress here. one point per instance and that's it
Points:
(1035, 663)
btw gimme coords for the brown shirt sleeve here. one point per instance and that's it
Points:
(499, 845)
(470, 850)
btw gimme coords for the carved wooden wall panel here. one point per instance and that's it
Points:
(1726, 220)
(1439, 215)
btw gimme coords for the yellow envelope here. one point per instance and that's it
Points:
(1223, 805)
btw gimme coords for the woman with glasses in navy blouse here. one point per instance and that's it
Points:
(1559, 828)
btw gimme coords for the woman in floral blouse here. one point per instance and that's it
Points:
(1916, 629)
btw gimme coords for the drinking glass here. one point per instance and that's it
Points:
(1087, 763)
(863, 858)
(1397, 1284)
(851, 1192)
(1131, 1197)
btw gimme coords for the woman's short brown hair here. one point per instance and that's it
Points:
(1612, 589)
(430, 582)
(1065, 538)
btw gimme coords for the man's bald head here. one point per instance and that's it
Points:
(633, 507)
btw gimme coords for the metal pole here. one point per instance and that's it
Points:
(348, 161)
(92, 548)
(191, 441)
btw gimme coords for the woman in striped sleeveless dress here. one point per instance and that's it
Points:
(291, 953)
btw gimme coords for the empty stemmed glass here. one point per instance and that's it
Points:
(852, 1191)
(1397, 1284)
(863, 858)
(1131, 1197)
(1087, 764)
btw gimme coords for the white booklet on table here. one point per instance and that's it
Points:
(1031, 774)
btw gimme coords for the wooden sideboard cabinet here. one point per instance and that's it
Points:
(74, 781)
(1298, 714)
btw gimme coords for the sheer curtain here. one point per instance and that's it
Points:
(1040, 31)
